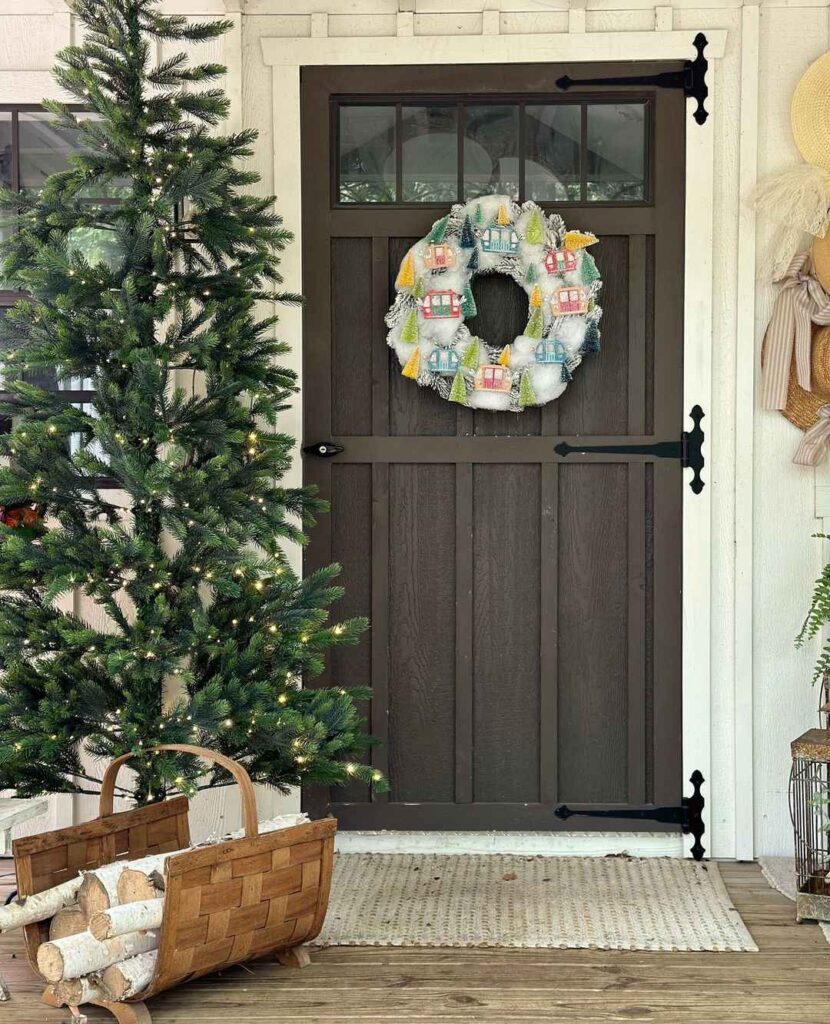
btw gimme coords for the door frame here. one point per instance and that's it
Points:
(287, 56)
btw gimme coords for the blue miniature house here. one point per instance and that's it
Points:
(499, 239)
(550, 351)
(443, 360)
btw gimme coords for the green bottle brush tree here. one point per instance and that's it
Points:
(161, 608)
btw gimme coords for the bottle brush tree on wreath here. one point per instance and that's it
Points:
(192, 626)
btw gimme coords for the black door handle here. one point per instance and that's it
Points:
(324, 449)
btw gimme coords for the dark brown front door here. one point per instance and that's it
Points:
(525, 646)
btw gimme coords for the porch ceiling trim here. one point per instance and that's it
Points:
(482, 49)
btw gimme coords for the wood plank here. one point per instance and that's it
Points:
(506, 532)
(593, 589)
(380, 621)
(637, 751)
(421, 632)
(549, 635)
(464, 631)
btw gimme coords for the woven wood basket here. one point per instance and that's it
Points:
(224, 903)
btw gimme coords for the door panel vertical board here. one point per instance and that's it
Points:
(380, 350)
(637, 318)
(421, 632)
(636, 573)
(549, 634)
(668, 484)
(598, 403)
(464, 631)
(506, 532)
(351, 338)
(593, 613)
(351, 517)
(648, 642)
(379, 562)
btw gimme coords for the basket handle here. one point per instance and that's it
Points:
(243, 780)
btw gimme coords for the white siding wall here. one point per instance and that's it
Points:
(785, 560)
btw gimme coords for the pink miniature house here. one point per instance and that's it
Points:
(441, 305)
(493, 378)
(567, 301)
(560, 261)
(439, 256)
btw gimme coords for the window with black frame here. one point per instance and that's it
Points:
(32, 148)
(550, 150)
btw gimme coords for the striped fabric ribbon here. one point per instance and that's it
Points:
(801, 302)
(814, 443)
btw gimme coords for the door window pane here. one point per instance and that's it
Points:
(367, 154)
(96, 245)
(552, 155)
(429, 153)
(491, 150)
(616, 152)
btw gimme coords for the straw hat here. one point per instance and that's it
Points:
(820, 258)
(803, 406)
(810, 113)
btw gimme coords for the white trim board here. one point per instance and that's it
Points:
(528, 844)
(286, 57)
(541, 48)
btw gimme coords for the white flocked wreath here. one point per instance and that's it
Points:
(493, 235)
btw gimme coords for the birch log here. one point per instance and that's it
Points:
(76, 955)
(68, 921)
(142, 879)
(126, 918)
(79, 990)
(28, 909)
(130, 977)
(98, 889)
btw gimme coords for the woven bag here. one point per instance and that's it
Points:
(224, 903)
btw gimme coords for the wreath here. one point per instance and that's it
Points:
(493, 235)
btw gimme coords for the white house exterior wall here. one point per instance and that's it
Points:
(763, 509)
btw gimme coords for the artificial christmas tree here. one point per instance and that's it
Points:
(588, 269)
(468, 303)
(458, 391)
(471, 357)
(467, 239)
(439, 230)
(535, 325)
(535, 231)
(195, 629)
(409, 334)
(527, 396)
(406, 275)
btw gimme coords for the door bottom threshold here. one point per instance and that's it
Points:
(531, 844)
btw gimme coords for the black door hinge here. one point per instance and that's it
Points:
(692, 79)
(689, 815)
(689, 449)
(324, 449)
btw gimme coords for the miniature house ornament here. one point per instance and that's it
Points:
(493, 235)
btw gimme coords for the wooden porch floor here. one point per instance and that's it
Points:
(788, 982)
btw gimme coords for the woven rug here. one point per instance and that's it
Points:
(381, 899)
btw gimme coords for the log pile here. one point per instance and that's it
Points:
(104, 925)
